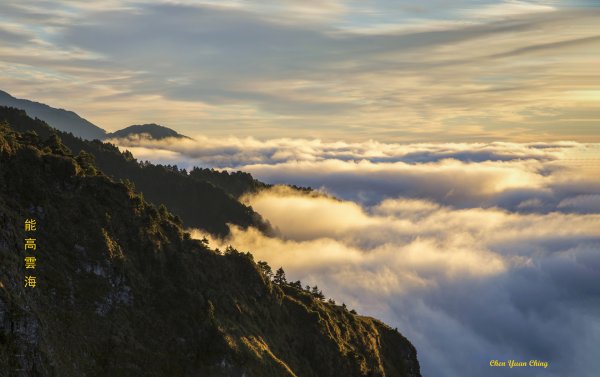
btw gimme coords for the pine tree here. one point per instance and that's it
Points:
(265, 269)
(280, 277)
(316, 292)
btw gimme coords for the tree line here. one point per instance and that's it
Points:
(278, 278)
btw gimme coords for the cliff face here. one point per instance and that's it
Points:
(122, 290)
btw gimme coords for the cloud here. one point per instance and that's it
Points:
(548, 46)
(466, 286)
(533, 177)
(234, 151)
(582, 203)
(475, 251)
(387, 70)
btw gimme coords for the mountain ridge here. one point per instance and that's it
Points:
(69, 121)
(61, 119)
(207, 201)
(123, 290)
(152, 130)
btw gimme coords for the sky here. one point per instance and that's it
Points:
(398, 71)
(453, 146)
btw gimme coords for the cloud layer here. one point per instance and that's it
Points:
(534, 177)
(466, 286)
(475, 252)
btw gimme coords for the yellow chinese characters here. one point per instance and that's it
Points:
(30, 244)
(30, 262)
(30, 225)
(30, 281)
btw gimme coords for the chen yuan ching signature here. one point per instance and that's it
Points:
(516, 364)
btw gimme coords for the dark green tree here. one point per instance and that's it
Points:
(31, 137)
(87, 162)
(265, 269)
(164, 212)
(55, 144)
(280, 277)
(316, 292)
(296, 284)
(230, 250)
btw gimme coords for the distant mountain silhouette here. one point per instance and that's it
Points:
(68, 121)
(153, 130)
(63, 120)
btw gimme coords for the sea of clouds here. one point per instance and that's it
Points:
(475, 252)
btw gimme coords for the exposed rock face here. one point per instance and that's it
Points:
(122, 290)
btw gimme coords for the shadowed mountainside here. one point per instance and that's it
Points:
(60, 119)
(122, 290)
(207, 201)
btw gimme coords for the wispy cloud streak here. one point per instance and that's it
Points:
(460, 70)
